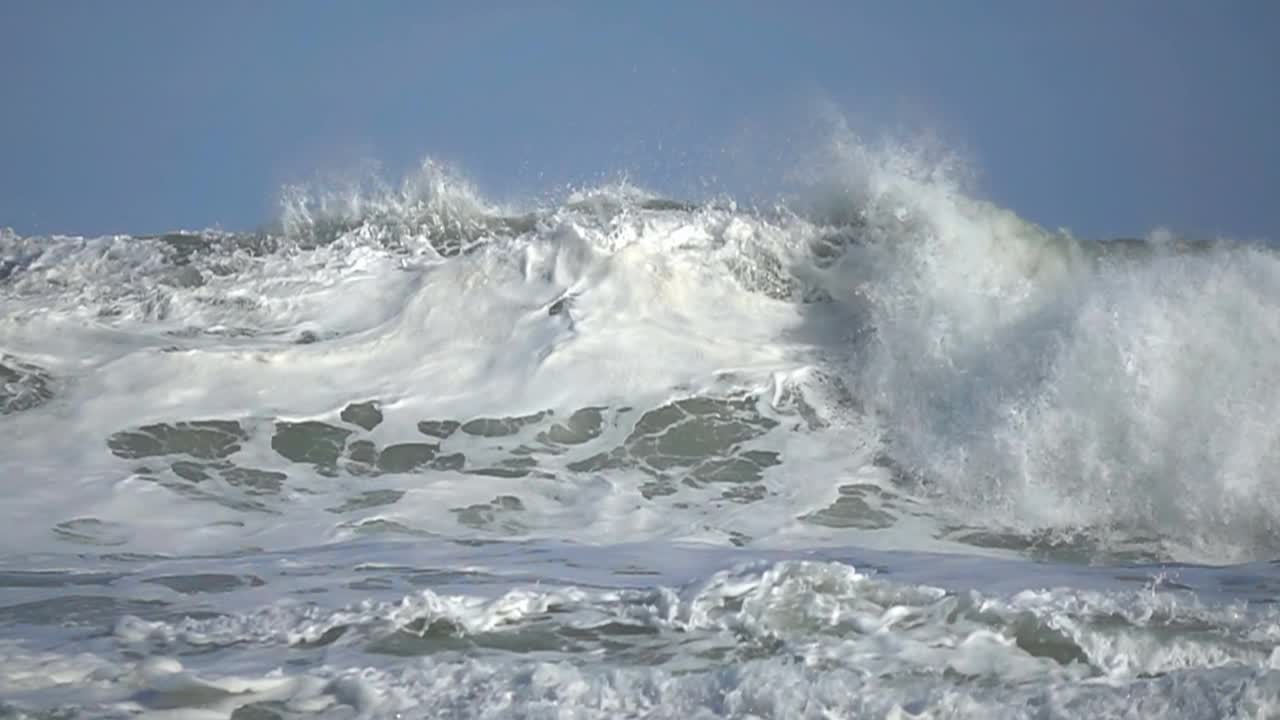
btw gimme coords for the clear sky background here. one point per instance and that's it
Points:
(1109, 118)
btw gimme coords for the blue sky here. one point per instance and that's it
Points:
(1109, 118)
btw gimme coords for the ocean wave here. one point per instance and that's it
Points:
(775, 639)
(1015, 382)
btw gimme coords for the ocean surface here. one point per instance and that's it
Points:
(879, 449)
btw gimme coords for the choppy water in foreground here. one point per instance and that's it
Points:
(895, 454)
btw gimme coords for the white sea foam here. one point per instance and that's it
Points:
(884, 363)
(790, 639)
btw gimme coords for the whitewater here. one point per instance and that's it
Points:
(876, 448)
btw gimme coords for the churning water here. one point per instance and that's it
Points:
(881, 451)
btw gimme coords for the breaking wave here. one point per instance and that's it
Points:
(1026, 388)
